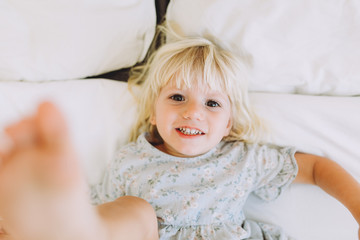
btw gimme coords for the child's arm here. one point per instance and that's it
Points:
(332, 178)
(125, 218)
(125, 213)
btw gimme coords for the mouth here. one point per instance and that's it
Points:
(190, 131)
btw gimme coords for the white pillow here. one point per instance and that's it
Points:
(308, 47)
(65, 39)
(99, 114)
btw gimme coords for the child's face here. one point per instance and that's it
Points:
(191, 121)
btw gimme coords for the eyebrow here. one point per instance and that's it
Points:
(211, 92)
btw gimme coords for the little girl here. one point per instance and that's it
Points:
(195, 154)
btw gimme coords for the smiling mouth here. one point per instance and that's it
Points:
(190, 131)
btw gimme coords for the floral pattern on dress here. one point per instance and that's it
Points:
(201, 197)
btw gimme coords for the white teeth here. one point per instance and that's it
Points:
(188, 131)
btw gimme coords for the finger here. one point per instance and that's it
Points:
(22, 133)
(16, 138)
(6, 146)
(61, 168)
(51, 124)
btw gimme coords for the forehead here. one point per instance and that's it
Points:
(194, 86)
(195, 80)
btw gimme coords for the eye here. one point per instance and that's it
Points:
(177, 97)
(212, 103)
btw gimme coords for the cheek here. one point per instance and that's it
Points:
(161, 118)
(226, 125)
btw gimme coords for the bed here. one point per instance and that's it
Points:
(304, 80)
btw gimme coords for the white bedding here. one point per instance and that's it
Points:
(303, 46)
(64, 39)
(100, 112)
(292, 47)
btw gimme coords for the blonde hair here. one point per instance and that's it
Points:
(189, 61)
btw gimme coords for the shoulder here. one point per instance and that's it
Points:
(245, 146)
(268, 147)
(141, 148)
(133, 147)
(263, 150)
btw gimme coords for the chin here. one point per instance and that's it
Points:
(191, 152)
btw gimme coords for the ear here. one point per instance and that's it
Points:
(152, 119)
(228, 127)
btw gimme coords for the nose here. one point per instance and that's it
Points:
(193, 110)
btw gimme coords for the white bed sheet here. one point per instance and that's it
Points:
(100, 112)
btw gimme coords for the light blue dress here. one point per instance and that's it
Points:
(201, 197)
